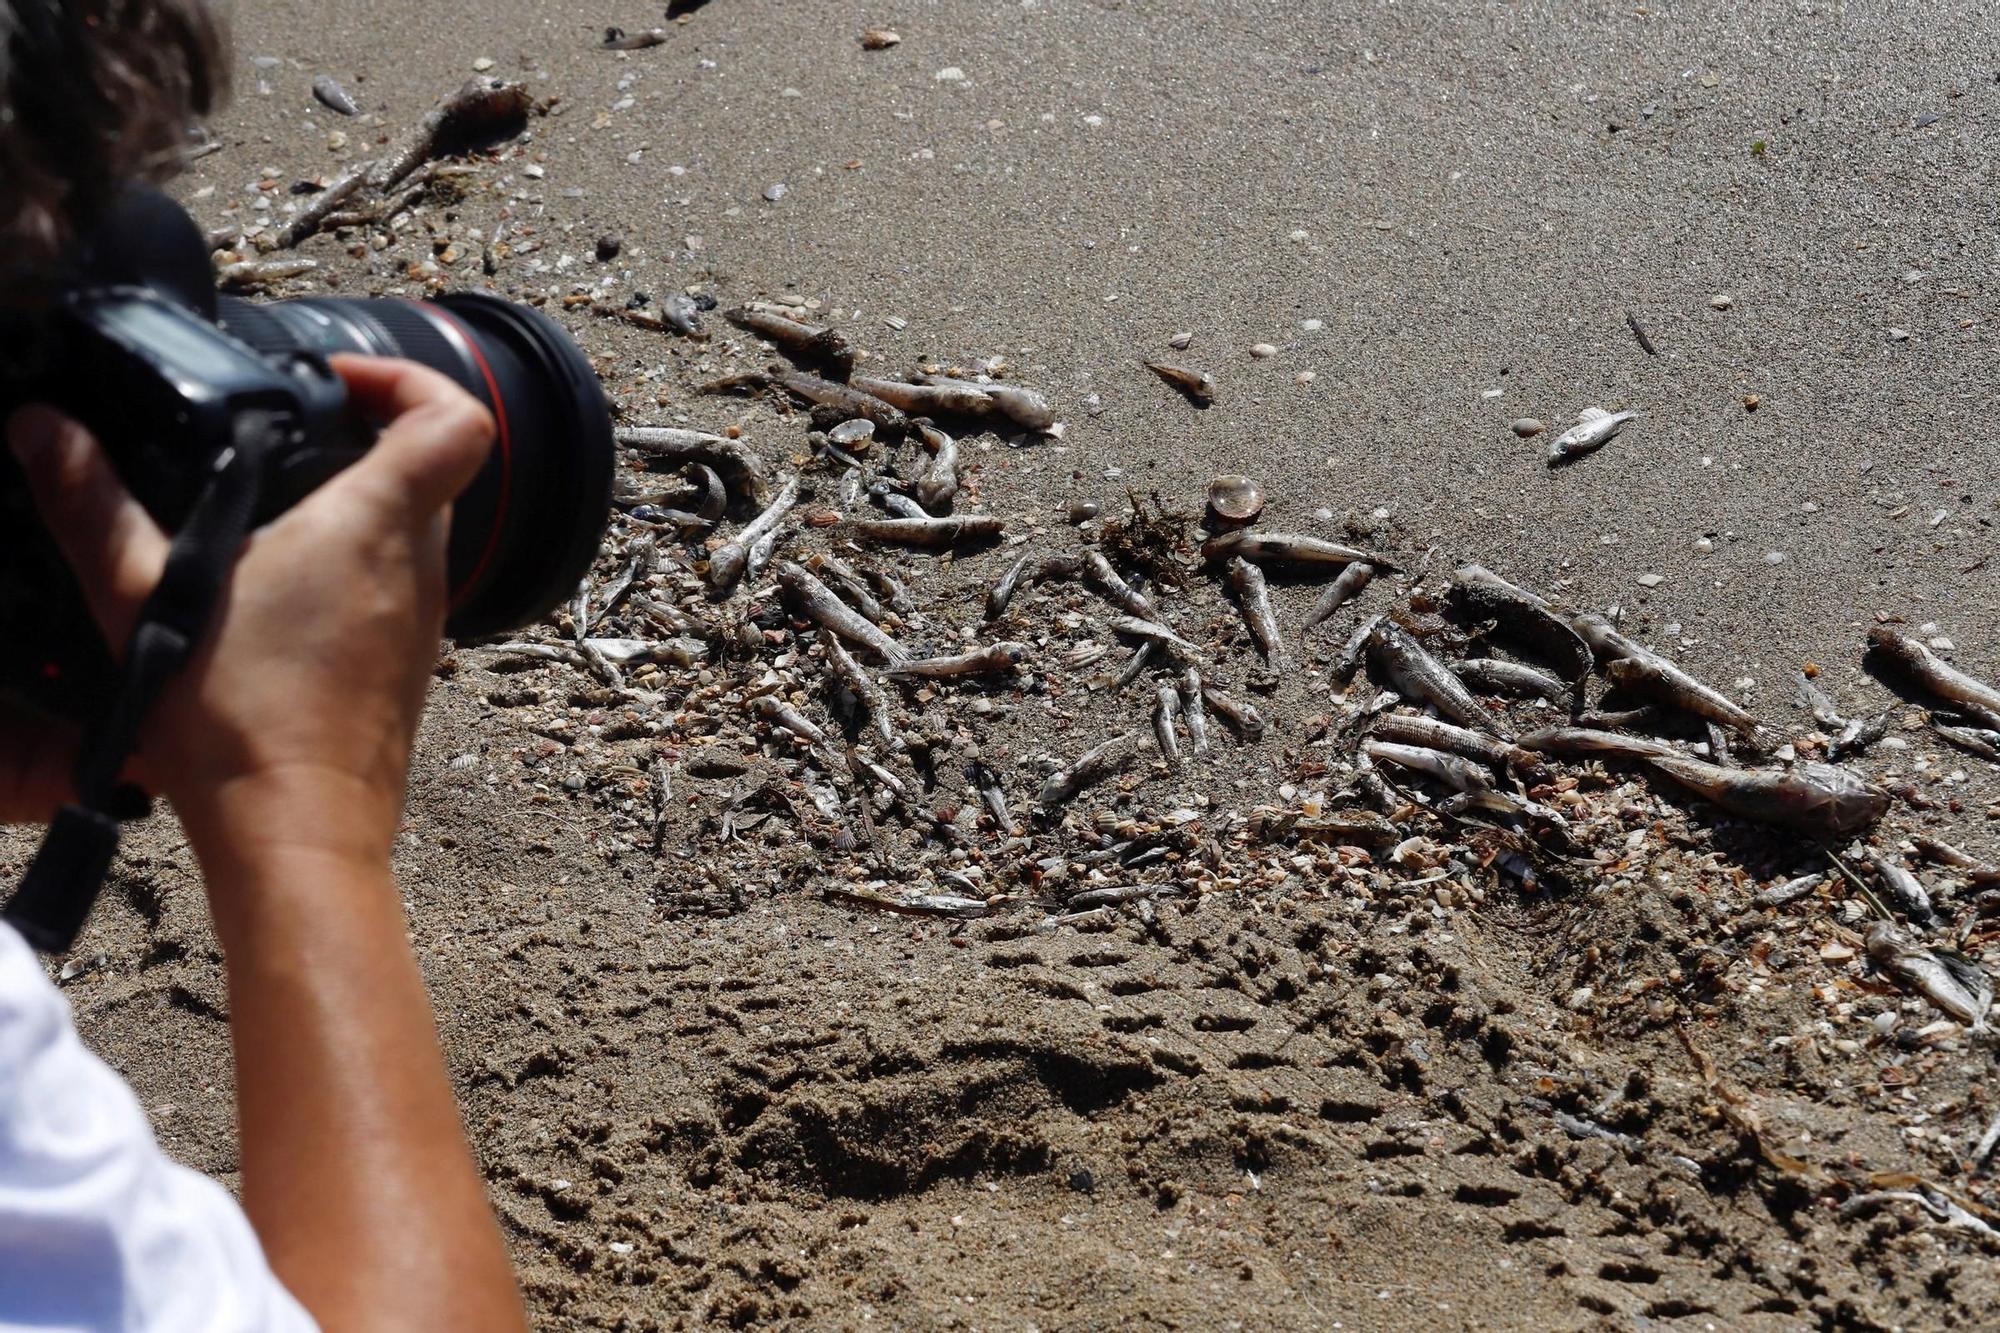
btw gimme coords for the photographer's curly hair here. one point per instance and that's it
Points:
(95, 94)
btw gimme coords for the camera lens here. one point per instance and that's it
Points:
(524, 532)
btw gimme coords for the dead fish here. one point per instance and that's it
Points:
(1287, 548)
(1345, 588)
(1525, 619)
(679, 312)
(1817, 703)
(1349, 659)
(986, 661)
(928, 533)
(1594, 429)
(938, 396)
(738, 465)
(1415, 674)
(1001, 594)
(1659, 679)
(1193, 711)
(1938, 676)
(1166, 707)
(863, 767)
(1197, 387)
(807, 344)
(846, 583)
(890, 590)
(1820, 800)
(617, 39)
(1490, 675)
(1782, 895)
(938, 485)
(333, 97)
(954, 906)
(1139, 627)
(1111, 757)
(1355, 828)
(1255, 596)
(1491, 801)
(1141, 659)
(818, 604)
(898, 504)
(1861, 733)
(726, 564)
(872, 696)
(1944, 854)
(250, 274)
(1407, 729)
(1235, 712)
(889, 420)
(1959, 987)
(1100, 576)
(992, 796)
(1904, 889)
(1625, 719)
(1450, 769)
(1981, 741)
(1588, 742)
(1024, 407)
(778, 713)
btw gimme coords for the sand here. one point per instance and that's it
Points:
(701, 1095)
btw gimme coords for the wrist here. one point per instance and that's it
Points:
(247, 829)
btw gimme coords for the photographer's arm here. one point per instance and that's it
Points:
(284, 748)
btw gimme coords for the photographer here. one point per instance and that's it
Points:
(283, 748)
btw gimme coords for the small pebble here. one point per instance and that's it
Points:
(1527, 427)
(1082, 511)
(1305, 377)
(1899, 335)
(1263, 351)
(1751, 402)
(950, 74)
(880, 39)
(776, 191)
(1651, 580)
(1720, 302)
(608, 246)
(1774, 557)
(1704, 545)
(1312, 325)
(1180, 342)
(481, 65)
(1299, 234)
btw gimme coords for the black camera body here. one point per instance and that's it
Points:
(137, 346)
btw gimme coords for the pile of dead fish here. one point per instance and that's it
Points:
(785, 598)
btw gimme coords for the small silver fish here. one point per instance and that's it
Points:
(1348, 660)
(1658, 679)
(1195, 386)
(1167, 707)
(1490, 675)
(727, 563)
(936, 396)
(1112, 756)
(1193, 711)
(1819, 800)
(1345, 588)
(1525, 619)
(1781, 895)
(807, 344)
(1255, 595)
(1587, 742)
(1416, 674)
(1428, 731)
(333, 97)
(819, 605)
(1904, 889)
(1973, 695)
(929, 533)
(986, 661)
(846, 583)
(1001, 595)
(1103, 579)
(872, 696)
(938, 485)
(1287, 548)
(1450, 769)
(891, 421)
(1235, 712)
(1954, 983)
(1139, 627)
(778, 713)
(1594, 429)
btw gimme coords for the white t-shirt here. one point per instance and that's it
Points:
(98, 1229)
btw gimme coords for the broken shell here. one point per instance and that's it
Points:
(1236, 498)
(859, 430)
(879, 39)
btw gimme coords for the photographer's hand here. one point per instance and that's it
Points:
(284, 748)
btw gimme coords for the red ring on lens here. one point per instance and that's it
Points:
(502, 437)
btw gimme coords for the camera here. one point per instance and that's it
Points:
(137, 345)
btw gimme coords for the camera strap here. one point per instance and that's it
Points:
(62, 882)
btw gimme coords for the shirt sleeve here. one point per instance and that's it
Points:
(99, 1230)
